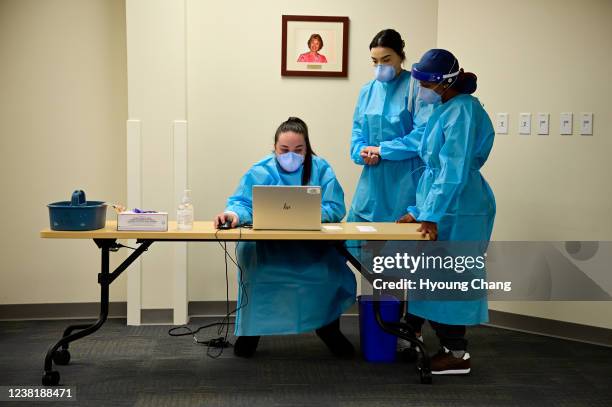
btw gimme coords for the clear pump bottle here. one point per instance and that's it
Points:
(184, 214)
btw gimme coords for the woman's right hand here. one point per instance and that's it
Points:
(221, 218)
(429, 228)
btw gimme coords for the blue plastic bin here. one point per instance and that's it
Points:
(377, 345)
(77, 214)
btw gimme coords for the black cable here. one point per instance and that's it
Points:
(225, 322)
(189, 331)
(235, 261)
(115, 247)
(220, 342)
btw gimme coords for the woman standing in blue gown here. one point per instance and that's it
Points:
(453, 200)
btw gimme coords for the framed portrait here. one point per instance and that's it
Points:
(315, 46)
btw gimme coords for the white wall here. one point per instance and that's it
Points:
(62, 127)
(157, 97)
(237, 98)
(64, 105)
(543, 56)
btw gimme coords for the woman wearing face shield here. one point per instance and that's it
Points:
(290, 287)
(453, 202)
(387, 127)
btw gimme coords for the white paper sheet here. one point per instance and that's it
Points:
(366, 228)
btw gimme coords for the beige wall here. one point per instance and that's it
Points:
(62, 126)
(543, 56)
(64, 105)
(237, 98)
(221, 61)
(157, 96)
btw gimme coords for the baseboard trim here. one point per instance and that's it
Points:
(70, 310)
(157, 316)
(90, 310)
(549, 327)
(209, 308)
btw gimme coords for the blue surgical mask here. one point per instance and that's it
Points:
(290, 161)
(429, 96)
(384, 72)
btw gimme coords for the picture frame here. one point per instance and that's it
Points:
(303, 40)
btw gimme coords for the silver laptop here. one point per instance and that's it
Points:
(285, 207)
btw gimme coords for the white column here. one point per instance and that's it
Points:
(134, 200)
(157, 99)
(180, 249)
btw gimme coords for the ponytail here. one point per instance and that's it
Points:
(466, 82)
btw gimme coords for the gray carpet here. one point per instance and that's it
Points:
(143, 366)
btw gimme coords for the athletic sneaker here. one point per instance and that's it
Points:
(444, 362)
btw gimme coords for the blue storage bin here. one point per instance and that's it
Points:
(77, 214)
(377, 345)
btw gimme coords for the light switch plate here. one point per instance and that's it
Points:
(501, 123)
(543, 124)
(565, 124)
(525, 123)
(586, 124)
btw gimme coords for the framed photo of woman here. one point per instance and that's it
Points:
(314, 46)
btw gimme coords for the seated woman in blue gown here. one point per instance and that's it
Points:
(290, 287)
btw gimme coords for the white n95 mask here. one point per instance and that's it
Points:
(429, 96)
(384, 72)
(290, 161)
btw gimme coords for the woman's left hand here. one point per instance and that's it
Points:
(428, 228)
(370, 155)
(370, 151)
(407, 218)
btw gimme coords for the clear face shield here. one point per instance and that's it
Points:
(429, 95)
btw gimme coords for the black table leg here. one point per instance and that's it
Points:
(399, 329)
(405, 331)
(105, 278)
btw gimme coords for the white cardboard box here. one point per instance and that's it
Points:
(156, 221)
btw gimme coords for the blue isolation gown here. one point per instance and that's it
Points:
(389, 115)
(290, 287)
(453, 193)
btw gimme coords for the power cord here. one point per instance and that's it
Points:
(116, 246)
(221, 342)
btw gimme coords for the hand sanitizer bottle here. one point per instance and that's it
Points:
(184, 214)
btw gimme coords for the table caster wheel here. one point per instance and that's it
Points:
(51, 378)
(61, 357)
(425, 376)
